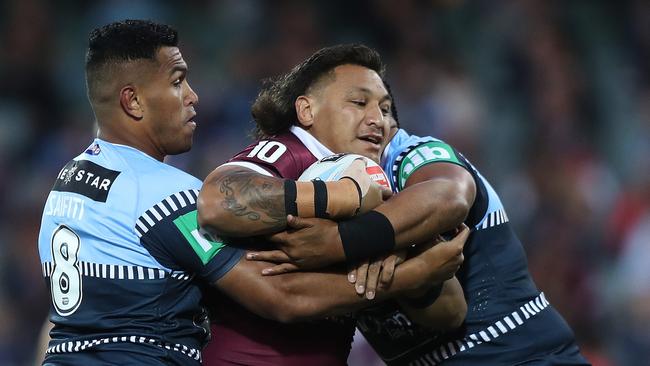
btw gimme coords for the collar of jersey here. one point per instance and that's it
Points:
(314, 146)
(133, 149)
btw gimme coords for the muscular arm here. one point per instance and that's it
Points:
(446, 313)
(237, 202)
(435, 199)
(306, 295)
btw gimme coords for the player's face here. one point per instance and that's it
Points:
(392, 125)
(350, 112)
(169, 102)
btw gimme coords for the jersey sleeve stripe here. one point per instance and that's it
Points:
(167, 206)
(140, 227)
(180, 199)
(161, 206)
(148, 219)
(189, 197)
(171, 204)
(155, 213)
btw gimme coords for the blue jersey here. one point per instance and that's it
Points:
(123, 258)
(508, 319)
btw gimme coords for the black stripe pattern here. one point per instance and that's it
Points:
(508, 323)
(120, 272)
(79, 346)
(164, 208)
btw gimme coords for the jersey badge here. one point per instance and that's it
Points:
(94, 149)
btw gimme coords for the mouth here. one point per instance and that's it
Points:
(190, 120)
(373, 138)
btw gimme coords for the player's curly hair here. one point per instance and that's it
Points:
(124, 41)
(274, 111)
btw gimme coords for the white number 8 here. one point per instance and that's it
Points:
(65, 282)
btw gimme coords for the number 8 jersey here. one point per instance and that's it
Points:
(121, 253)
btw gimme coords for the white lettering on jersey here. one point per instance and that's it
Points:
(64, 205)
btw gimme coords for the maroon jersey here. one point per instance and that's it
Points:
(240, 337)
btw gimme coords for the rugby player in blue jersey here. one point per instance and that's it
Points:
(509, 321)
(119, 243)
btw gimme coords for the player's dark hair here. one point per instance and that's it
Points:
(393, 104)
(274, 109)
(124, 41)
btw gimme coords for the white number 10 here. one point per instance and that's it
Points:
(263, 151)
(65, 282)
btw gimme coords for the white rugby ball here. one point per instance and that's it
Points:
(331, 168)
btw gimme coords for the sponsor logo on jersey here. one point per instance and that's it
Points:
(378, 176)
(86, 178)
(204, 245)
(428, 152)
(94, 149)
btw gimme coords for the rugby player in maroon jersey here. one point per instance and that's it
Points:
(337, 96)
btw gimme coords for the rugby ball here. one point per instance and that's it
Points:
(332, 167)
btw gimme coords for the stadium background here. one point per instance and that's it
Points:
(550, 99)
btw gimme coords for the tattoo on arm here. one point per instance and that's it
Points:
(254, 197)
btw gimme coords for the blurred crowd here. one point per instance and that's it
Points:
(549, 98)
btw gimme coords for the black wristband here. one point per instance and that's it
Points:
(320, 199)
(425, 300)
(366, 236)
(290, 192)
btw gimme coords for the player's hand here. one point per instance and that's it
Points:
(373, 197)
(372, 194)
(368, 276)
(365, 275)
(388, 267)
(443, 259)
(307, 244)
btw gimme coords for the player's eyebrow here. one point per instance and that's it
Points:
(182, 68)
(367, 91)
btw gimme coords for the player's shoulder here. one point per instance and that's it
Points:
(406, 153)
(139, 178)
(283, 155)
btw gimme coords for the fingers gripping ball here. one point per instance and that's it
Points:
(369, 234)
(342, 186)
(335, 167)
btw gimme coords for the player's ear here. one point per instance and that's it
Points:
(130, 103)
(305, 110)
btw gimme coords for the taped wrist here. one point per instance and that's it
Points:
(343, 198)
(366, 236)
(337, 199)
(425, 300)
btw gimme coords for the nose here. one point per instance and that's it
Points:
(192, 98)
(374, 116)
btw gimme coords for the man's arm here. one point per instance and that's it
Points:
(239, 202)
(236, 201)
(301, 296)
(436, 199)
(446, 312)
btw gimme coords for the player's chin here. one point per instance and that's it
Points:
(183, 143)
(369, 150)
(190, 125)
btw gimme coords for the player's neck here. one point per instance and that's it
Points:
(125, 136)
